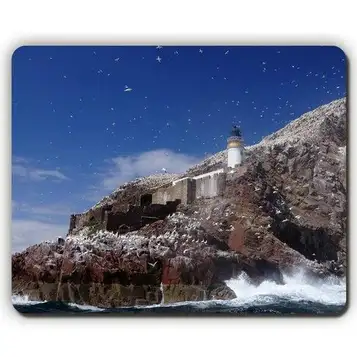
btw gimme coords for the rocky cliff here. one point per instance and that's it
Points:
(286, 207)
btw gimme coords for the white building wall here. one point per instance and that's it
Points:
(210, 185)
(234, 157)
(208, 174)
(175, 182)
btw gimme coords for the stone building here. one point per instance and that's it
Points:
(158, 203)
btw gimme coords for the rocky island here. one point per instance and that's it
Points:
(170, 238)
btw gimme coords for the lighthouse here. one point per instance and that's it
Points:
(235, 148)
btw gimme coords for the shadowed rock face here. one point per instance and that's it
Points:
(292, 199)
(311, 243)
(120, 202)
(285, 208)
(289, 205)
(138, 216)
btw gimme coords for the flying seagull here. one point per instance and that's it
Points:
(127, 89)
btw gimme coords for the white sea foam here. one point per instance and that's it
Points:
(24, 300)
(86, 307)
(297, 287)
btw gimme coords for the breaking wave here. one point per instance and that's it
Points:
(297, 287)
(24, 300)
(86, 307)
(299, 295)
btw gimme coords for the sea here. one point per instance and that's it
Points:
(299, 296)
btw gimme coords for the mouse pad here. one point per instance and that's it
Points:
(179, 180)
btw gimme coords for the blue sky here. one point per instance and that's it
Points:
(86, 119)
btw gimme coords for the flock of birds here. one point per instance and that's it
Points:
(280, 114)
(182, 239)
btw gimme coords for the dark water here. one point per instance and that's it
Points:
(278, 307)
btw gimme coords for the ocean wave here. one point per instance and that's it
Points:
(20, 300)
(24, 300)
(298, 287)
(86, 307)
(300, 293)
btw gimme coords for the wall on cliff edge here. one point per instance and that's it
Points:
(188, 189)
(93, 218)
(210, 185)
(182, 190)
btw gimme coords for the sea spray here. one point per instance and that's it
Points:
(24, 300)
(86, 307)
(299, 295)
(297, 287)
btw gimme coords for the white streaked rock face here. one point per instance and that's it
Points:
(308, 127)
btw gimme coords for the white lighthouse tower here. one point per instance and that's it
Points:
(235, 148)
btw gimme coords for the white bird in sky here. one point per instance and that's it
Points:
(117, 59)
(158, 58)
(127, 89)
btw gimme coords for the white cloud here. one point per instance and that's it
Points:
(123, 169)
(19, 159)
(127, 168)
(29, 232)
(39, 175)
(47, 210)
(22, 168)
(32, 230)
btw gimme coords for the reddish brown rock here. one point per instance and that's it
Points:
(237, 238)
(286, 207)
